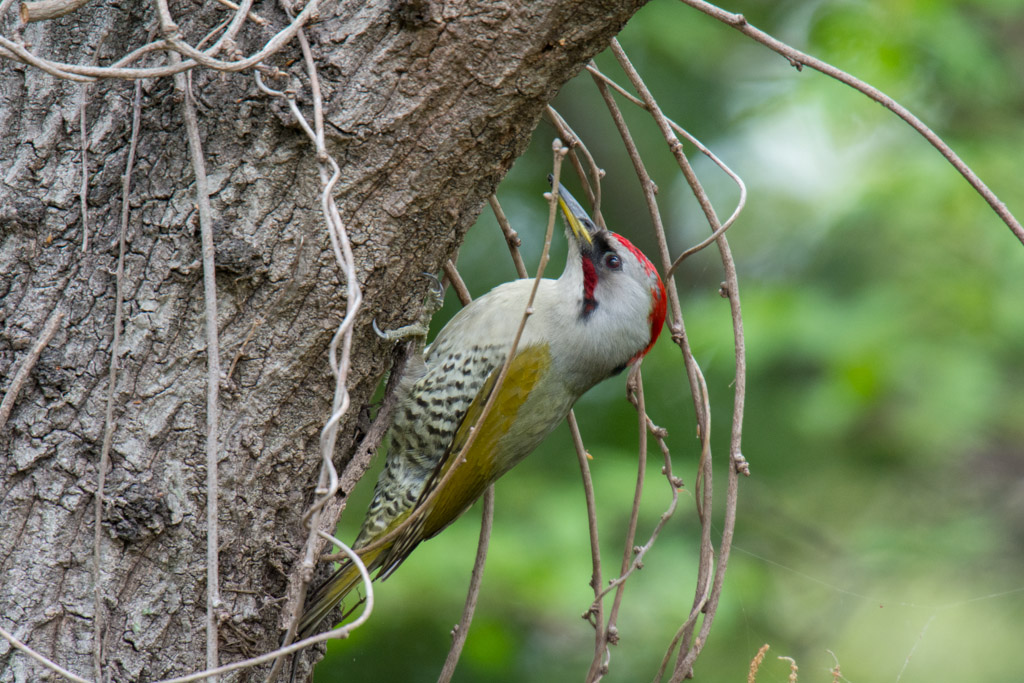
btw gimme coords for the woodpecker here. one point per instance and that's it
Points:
(603, 314)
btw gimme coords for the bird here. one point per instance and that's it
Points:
(603, 314)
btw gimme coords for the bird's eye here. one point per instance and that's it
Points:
(612, 261)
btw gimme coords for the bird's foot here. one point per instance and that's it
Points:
(420, 328)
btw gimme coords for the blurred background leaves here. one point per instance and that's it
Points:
(884, 312)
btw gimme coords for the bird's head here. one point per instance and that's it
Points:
(620, 294)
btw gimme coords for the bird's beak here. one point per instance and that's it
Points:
(575, 215)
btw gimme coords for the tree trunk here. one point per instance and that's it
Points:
(427, 105)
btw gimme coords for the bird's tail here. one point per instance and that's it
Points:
(327, 596)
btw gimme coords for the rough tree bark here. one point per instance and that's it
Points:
(427, 106)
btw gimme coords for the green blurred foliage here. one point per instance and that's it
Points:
(884, 314)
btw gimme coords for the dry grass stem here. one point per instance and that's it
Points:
(837, 674)
(755, 663)
(792, 668)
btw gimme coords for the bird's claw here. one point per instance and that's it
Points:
(435, 297)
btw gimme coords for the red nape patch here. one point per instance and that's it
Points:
(589, 279)
(658, 311)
